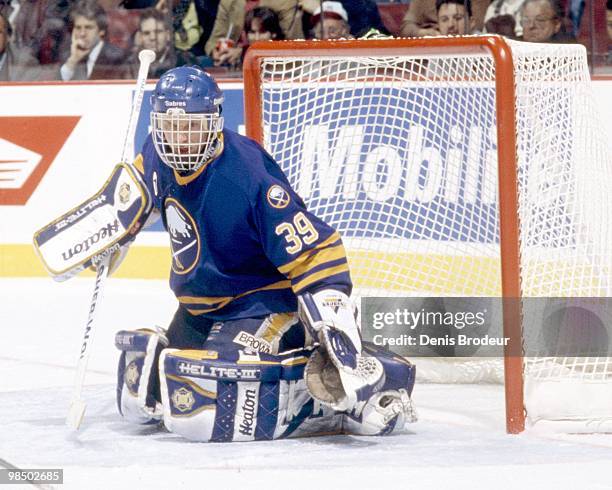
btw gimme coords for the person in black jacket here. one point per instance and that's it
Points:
(363, 15)
(90, 56)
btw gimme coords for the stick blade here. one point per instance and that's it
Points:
(75, 415)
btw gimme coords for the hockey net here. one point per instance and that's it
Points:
(460, 167)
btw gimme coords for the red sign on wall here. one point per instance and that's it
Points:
(28, 146)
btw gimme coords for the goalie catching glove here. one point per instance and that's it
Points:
(339, 374)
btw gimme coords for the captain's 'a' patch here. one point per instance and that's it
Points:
(277, 197)
(184, 237)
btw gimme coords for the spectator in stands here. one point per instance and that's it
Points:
(54, 41)
(154, 33)
(504, 17)
(421, 18)
(192, 20)
(332, 23)
(15, 67)
(363, 15)
(26, 18)
(504, 25)
(90, 56)
(260, 24)
(454, 17)
(609, 22)
(230, 20)
(575, 11)
(542, 22)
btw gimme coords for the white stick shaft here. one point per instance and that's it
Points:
(77, 406)
(146, 57)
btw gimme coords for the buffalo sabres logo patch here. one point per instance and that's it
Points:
(184, 237)
(124, 193)
(131, 378)
(182, 399)
(278, 197)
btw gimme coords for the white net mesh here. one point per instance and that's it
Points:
(399, 154)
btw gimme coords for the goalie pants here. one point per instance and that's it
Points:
(276, 333)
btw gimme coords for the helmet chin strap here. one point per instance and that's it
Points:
(212, 148)
(210, 151)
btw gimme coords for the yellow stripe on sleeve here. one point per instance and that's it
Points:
(307, 281)
(318, 258)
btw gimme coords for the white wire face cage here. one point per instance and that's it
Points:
(184, 141)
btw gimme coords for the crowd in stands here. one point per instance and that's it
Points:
(99, 39)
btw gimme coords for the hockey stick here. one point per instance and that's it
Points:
(77, 405)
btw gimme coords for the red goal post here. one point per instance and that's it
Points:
(296, 94)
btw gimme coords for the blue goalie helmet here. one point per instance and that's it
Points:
(186, 118)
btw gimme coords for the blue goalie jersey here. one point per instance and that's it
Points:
(243, 244)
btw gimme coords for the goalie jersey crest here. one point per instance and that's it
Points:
(184, 239)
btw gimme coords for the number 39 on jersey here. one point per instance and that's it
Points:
(297, 232)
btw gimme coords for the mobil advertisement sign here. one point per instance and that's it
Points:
(417, 166)
(414, 162)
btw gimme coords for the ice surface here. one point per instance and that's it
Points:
(458, 443)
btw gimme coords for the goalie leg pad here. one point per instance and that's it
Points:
(137, 373)
(389, 409)
(382, 414)
(212, 397)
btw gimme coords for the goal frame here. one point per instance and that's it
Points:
(505, 107)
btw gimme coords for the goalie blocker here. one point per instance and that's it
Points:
(101, 225)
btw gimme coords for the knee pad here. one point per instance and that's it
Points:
(236, 396)
(391, 407)
(137, 374)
